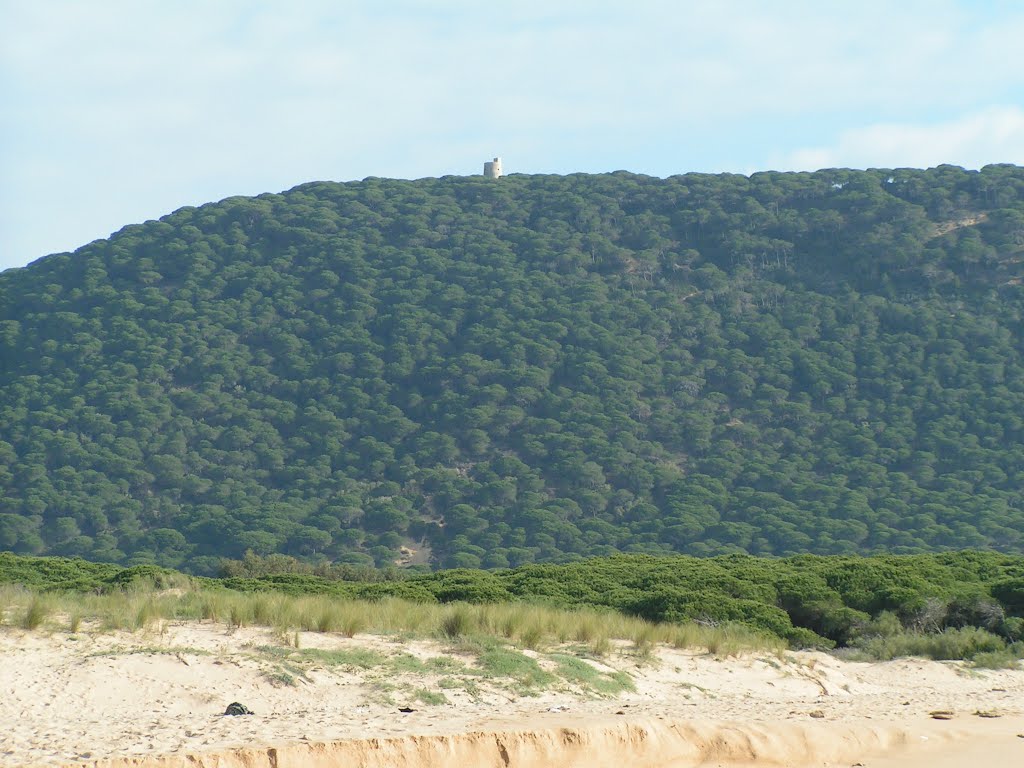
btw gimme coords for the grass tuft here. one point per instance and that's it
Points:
(456, 622)
(36, 612)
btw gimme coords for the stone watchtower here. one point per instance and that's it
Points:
(492, 168)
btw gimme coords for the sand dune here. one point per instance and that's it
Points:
(157, 699)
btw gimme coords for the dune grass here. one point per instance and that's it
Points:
(523, 625)
(471, 628)
(36, 612)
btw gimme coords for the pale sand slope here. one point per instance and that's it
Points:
(156, 699)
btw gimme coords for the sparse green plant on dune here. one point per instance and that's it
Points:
(583, 674)
(280, 677)
(152, 650)
(353, 657)
(430, 698)
(510, 663)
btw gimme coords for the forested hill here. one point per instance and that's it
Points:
(476, 372)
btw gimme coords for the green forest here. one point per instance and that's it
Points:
(464, 372)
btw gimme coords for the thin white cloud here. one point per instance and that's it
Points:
(994, 135)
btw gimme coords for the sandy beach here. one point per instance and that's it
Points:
(157, 698)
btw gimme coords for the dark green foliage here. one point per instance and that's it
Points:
(468, 587)
(291, 584)
(681, 605)
(149, 575)
(1013, 629)
(1010, 593)
(61, 574)
(406, 590)
(463, 373)
(57, 573)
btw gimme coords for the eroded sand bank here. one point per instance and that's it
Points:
(157, 699)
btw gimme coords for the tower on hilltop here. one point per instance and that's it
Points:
(492, 168)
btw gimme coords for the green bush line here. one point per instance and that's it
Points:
(809, 601)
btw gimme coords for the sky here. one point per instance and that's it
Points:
(113, 112)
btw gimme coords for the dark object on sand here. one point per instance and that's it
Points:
(234, 708)
(406, 710)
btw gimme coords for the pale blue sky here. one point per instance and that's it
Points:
(117, 111)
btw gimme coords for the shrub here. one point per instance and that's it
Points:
(468, 586)
(803, 638)
(672, 604)
(1010, 592)
(406, 590)
(975, 610)
(146, 577)
(995, 660)
(924, 614)
(886, 624)
(962, 643)
(1013, 628)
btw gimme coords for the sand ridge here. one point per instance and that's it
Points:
(157, 698)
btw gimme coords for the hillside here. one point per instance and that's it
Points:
(470, 372)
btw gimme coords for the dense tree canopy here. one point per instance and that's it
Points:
(473, 372)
